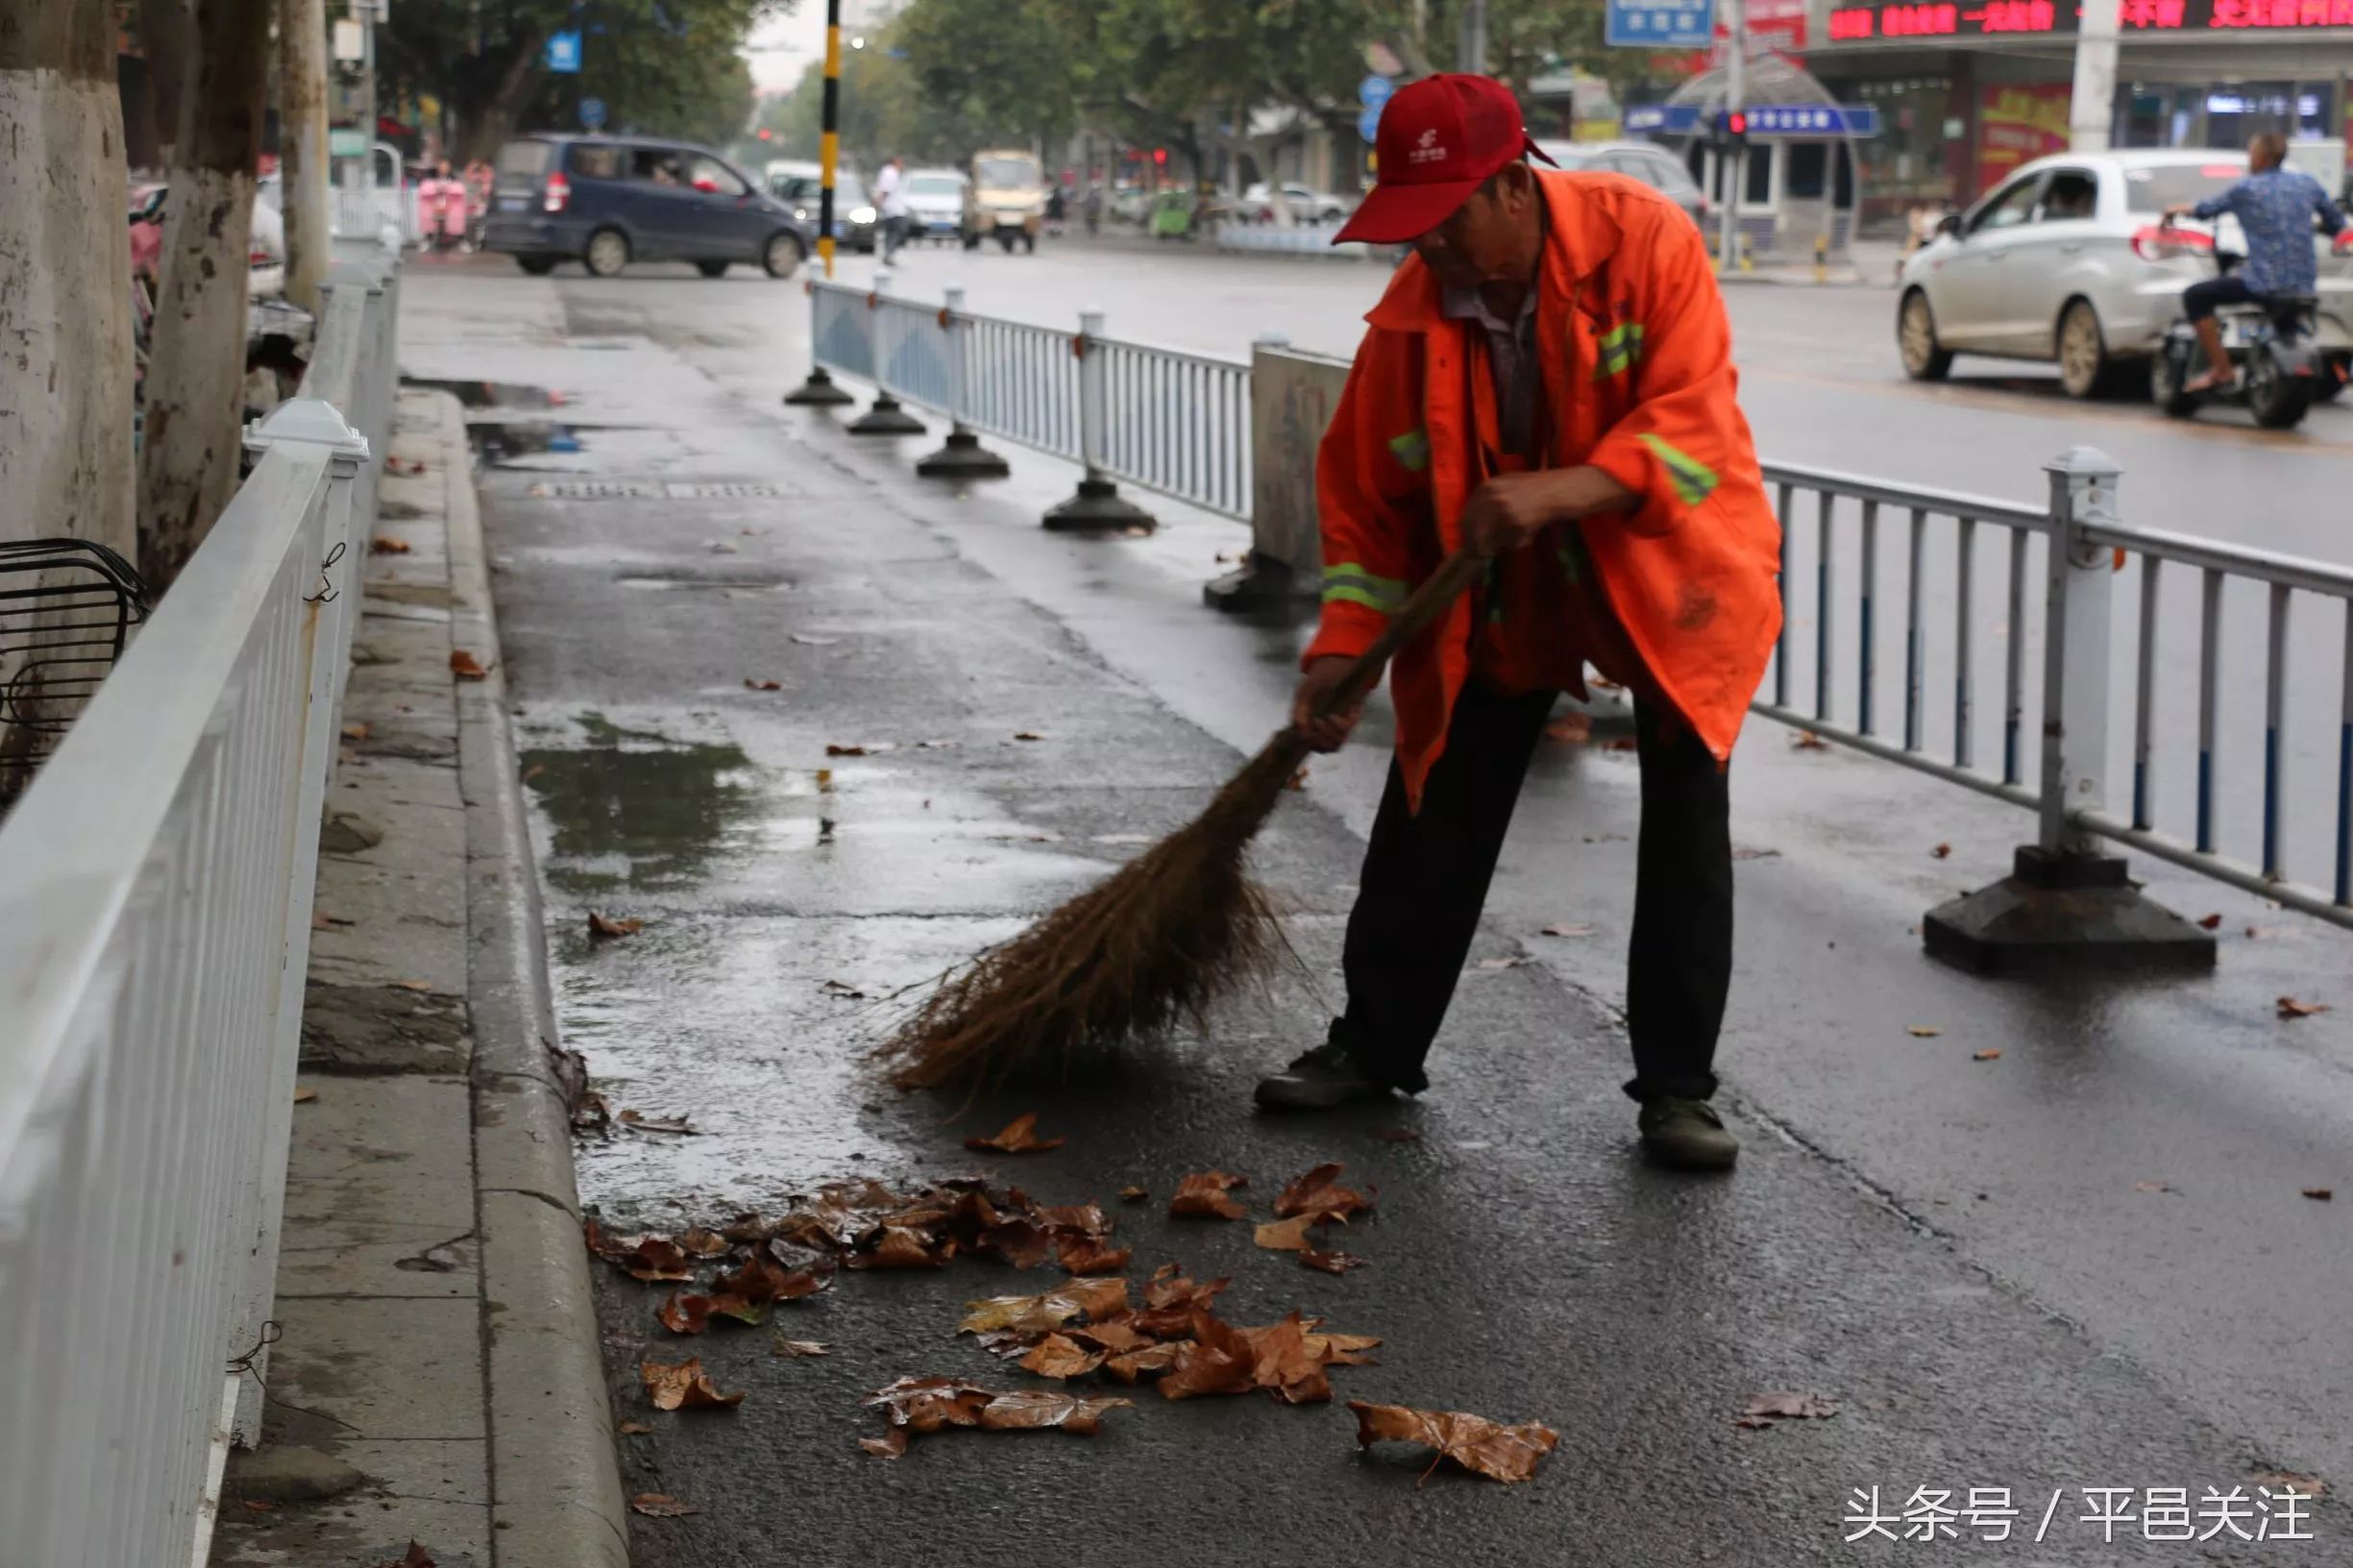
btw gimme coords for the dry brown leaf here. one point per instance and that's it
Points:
(1331, 1263)
(355, 732)
(889, 1446)
(1117, 1337)
(1215, 1361)
(1488, 1448)
(1169, 1288)
(1027, 735)
(1767, 1409)
(901, 1246)
(2321, 1194)
(386, 544)
(1923, 1031)
(531, 772)
(414, 985)
(1202, 1195)
(1342, 1349)
(1805, 740)
(1097, 1300)
(660, 1506)
(466, 666)
(1129, 1365)
(1088, 1254)
(1019, 1137)
(753, 685)
(683, 1386)
(2283, 1479)
(1133, 1194)
(1397, 1135)
(1057, 1357)
(926, 1404)
(1288, 1235)
(2212, 921)
(1943, 852)
(634, 1429)
(606, 928)
(762, 1281)
(795, 1349)
(1567, 931)
(2290, 1008)
(1318, 1192)
(2152, 1187)
(304, 1096)
(1985, 1056)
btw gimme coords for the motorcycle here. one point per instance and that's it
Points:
(2270, 341)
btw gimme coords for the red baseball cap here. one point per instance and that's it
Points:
(1438, 141)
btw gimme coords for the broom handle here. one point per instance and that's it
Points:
(1427, 603)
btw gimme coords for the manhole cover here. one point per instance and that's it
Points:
(726, 490)
(596, 490)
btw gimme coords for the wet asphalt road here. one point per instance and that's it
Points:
(1957, 1251)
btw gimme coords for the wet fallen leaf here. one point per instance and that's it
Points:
(2290, 1008)
(701, 1241)
(1089, 1255)
(902, 1246)
(660, 1506)
(1097, 1300)
(1318, 1192)
(807, 640)
(355, 732)
(1202, 1195)
(637, 1121)
(2285, 1480)
(1985, 1056)
(1129, 1365)
(926, 1404)
(889, 1446)
(1621, 742)
(2212, 921)
(592, 1111)
(751, 685)
(683, 1386)
(304, 1096)
(606, 928)
(795, 1349)
(1397, 1135)
(1923, 1031)
(1058, 1357)
(1567, 931)
(1805, 740)
(321, 921)
(1133, 1194)
(2321, 1194)
(1215, 1361)
(634, 1429)
(1117, 1337)
(1943, 852)
(836, 750)
(1576, 728)
(1331, 1263)
(653, 1258)
(1764, 1410)
(416, 1557)
(466, 666)
(1488, 1448)
(531, 772)
(1019, 1137)
(386, 544)
(1027, 735)
(2152, 1187)
(257, 1505)
(1288, 1235)
(414, 985)
(1744, 852)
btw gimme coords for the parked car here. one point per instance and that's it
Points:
(607, 201)
(1647, 162)
(854, 219)
(934, 203)
(1006, 201)
(2068, 261)
(1306, 204)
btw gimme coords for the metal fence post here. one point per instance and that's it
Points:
(883, 416)
(2067, 907)
(1098, 504)
(963, 458)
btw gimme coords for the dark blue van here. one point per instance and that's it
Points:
(608, 201)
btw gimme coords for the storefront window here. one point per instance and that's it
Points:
(1911, 162)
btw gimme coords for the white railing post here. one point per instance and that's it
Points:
(963, 457)
(819, 391)
(308, 422)
(1098, 504)
(883, 416)
(2079, 598)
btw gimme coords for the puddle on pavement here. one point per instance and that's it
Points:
(636, 810)
(490, 394)
(498, 441)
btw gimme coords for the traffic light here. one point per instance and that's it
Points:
(1731, 127)
(1160, 154)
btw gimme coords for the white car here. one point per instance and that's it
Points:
(1306, 204)
(934, 203)
(2068, 261)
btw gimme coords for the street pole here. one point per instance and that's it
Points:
(301, 146)
(2092, 109)
(1471, 55)
(829, 137)
(1732, 156)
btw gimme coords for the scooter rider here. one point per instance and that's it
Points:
(2274, 206)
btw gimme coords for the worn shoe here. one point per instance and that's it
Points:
(1685, 1135)
(1324, 1079)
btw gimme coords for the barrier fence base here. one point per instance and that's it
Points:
(963, 458)
(2058, 914)
(819, 391)
(1260, 582)
(1098, 505)
(885, 417)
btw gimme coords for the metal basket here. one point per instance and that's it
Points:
(66, 610)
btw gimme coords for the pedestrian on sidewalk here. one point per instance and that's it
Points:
(890, 206)
(1548, 381)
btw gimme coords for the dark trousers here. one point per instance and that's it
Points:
(2203, 298)
(1426, 879)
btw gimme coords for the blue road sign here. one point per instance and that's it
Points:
(1368, 123)
(1662, 119)
(1375, 91)
(592, 113)
(1813, 120)
(1660, 24)
(563, 52)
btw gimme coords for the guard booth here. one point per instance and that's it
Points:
(1791, 168)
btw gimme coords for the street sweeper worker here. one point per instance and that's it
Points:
(1548, 381)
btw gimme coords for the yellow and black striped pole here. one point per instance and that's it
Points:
(829, 136)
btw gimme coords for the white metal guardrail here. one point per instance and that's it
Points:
(155, 917)
(1918, 622)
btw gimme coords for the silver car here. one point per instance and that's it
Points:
(1647, 162)
(2068, 261)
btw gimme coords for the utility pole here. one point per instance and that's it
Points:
(1732, 157)
(829, 136)
(301, 146)
(1471, 54)
(2093, 107)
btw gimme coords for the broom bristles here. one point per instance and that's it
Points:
(1154, 944)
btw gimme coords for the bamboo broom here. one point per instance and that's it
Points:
(1166, 934)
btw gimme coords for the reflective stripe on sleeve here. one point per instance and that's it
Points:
(1347, 582)
(1411, 450)
(1694, 480)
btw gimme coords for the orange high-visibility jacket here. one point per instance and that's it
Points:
(1638, 382)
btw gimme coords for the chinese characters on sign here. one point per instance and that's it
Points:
(2164, 1513)
(1660, 24)
(1937, 20)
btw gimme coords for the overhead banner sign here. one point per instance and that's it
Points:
(1795, 120)
(2030, 18)
(1659, 24)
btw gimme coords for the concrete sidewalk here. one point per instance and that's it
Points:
(435, 1377)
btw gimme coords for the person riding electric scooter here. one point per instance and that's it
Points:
(2274, 206)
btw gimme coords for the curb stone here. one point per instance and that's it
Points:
(556, 1474)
